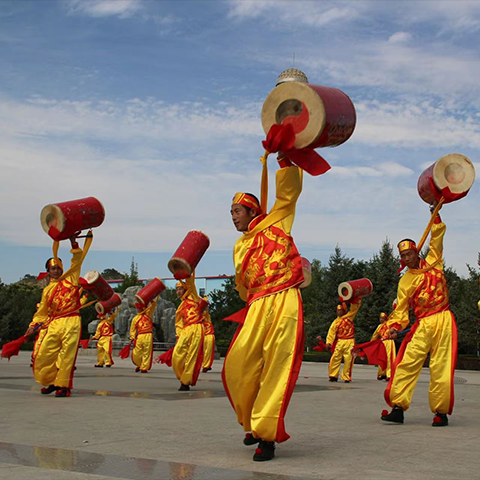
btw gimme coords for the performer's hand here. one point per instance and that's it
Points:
(392, 334)
(29, 332)
(73, 239)
(328, 348)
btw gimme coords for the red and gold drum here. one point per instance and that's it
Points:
(353, 289)
(150, 291)
(320, 116)
(188, 254)
(107, 306)
(307, 273)
(451, 176)
(62, 220)
(96, 284)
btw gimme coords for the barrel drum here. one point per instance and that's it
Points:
(97, 285)
(188, 254)
(150, 291)
(353, 289)
(104, 307)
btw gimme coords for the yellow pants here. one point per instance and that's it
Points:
(437, 335)
(104, 351)
(263, 363)
(38, 342)
(208, 351)
(343, 350)
(55, 359)
(143, 351)
(391, 354)
(187, 356)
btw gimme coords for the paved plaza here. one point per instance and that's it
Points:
(125, 425)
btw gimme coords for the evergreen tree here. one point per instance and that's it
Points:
(130, 279)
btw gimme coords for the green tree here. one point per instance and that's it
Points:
(130, 279)
(112, 274)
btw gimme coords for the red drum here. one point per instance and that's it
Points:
(188, 254)
(203, 304)
(307, 273)
(107, 306)
(353, 289)
(150, 291)
(320, 116)
(451, 176)
(62, 220)
(95, 283)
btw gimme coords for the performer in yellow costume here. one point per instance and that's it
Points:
(104, 335)
(265, 356)
(424, 288)
(209, 341)
(141, 334)
(341, 339)
(58, 314)
(187, 356)
(382, 332)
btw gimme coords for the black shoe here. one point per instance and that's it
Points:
(395, 416)
(381, 377)
(440, 420)
(184, 388)
(108, 366)
(264, 452)
(137, 369)
(346, 381)
(332, 379)
(205, 370)
(98, 366)
(48, 390)
(62, 392)
(250, 439)
(143, 371)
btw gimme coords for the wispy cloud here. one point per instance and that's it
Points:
(104, 8)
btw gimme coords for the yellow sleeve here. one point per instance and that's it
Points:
(400, 315)
(192, 289)
(75, 265)
(41, 314)
(178, 323)
(113, 316)
(84, 300)
(133, 327)
(332, 332)
(288, 189)
(436, 245)
(354, 308)
(375, 333)
(97, 333)
(151, 308)
(242, 291)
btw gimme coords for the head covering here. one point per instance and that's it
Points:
(181, 284)
(406, 245)
(383, 315)
(246, 200)
(343, 306)
(51, 262)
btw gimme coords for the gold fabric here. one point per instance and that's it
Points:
(104, 351)
(382, 332)
(141, 332)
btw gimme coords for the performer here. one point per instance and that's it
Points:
(341, 339)
(382, 332)
(209, 340)
(187, 356)
(265, 356)
(58, 314)
(141, 335)
(104, 335)
(424, 287)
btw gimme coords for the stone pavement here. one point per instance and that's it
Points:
(125, 425)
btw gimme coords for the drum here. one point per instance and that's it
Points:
(320, 116)
(188, 254)
(451, 176)
(150, 291)
(107, 306)
(62, 220)
(353, 289)
(96, 284)
(307, 273)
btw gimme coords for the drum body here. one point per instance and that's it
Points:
(96, 284)
(150, 291)
(62, 220)
(451, 176)
(320, 116)
(104, 307)
(307, 273)
(353, 289)
(188, 254)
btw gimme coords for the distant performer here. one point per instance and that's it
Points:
(141, 335)
(262, 365)
(187, 355)
(104, 334)
(424, 287)
(382, 332)
(341, 339)
(209, 340)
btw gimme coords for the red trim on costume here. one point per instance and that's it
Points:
(453, 362)
(72, 371)
(224, 381)
(282, 435)
(199, 362)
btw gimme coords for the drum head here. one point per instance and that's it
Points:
(91, 277)
(52, 216)
(296, 103)
(454, 171)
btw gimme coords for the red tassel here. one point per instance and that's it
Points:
(84, 343)
(279, 138)
(384, 413)
(124, 352)
(42, 275)
(165, 358)
(309, 160)
(12, 348)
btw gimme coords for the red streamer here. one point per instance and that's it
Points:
(124, 352)
(12, 348)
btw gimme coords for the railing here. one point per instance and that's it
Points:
(117, 345)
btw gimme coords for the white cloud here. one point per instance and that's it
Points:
(104, 8)
(400, 37)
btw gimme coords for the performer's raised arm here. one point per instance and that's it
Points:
(435, 253)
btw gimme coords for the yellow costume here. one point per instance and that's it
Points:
(59, 315)
(341, 335)
(382, 332)
(264, 358)
(141, 332)
(104, 335)
(209, 341)
(187, 356)
(434, 332)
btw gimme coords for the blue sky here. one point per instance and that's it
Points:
(154, 108)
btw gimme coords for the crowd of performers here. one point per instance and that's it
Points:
(263, 362)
